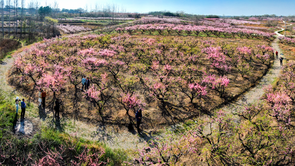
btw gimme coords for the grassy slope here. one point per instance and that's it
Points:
(28, 150)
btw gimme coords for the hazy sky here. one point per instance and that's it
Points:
(206, 7)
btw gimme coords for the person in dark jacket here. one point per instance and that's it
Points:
(57, 107)
(281, 61)
(43, 94)
(277, 54)
(138, 117)
(17, 100)
(83, 83)
(23, 107)
(87, 83)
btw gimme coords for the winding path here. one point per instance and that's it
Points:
(28, 128)
(254, 94)
(129, 140)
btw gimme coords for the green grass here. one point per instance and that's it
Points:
(7, 114)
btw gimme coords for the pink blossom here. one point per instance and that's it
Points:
(93, 93)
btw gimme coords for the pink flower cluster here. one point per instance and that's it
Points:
(131, 100)
(244, 50)
(72, 29)
(217, 58)
(287, 40)
(93, 93)
(197, 88)
(216, 81)
(281, 104)
(152, 20)
(194, 28)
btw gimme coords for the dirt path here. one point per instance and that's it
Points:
(125, 139)
(30, 126)
(254, 94)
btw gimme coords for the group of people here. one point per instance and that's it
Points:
(23, 107)
(85, 83)
(42, 99)
(281, 58)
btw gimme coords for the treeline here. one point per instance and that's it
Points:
(27, 23)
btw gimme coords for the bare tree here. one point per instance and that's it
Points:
(114, 8)
(86, 8)
(36, 8)
(107, 10)
(31, 8)
(29, 20)
(2, 5)
(96, 9)
(8, 2)
(22, 17)
(55, 9)
(15, 16)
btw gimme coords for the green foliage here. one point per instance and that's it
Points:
(115, 156)
(44, 11)
(7, 114)
(212, 16)
(51, 20)
(171, 14)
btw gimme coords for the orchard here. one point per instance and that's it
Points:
(171, 78)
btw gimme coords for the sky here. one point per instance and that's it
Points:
(202, 7)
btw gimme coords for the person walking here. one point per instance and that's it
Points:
(23, 107)
(87, 83)
(40, 97)
(83, 83)
(277, 54)
(43, 94)
(281, 61)
(138, 117)
(17, 100)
